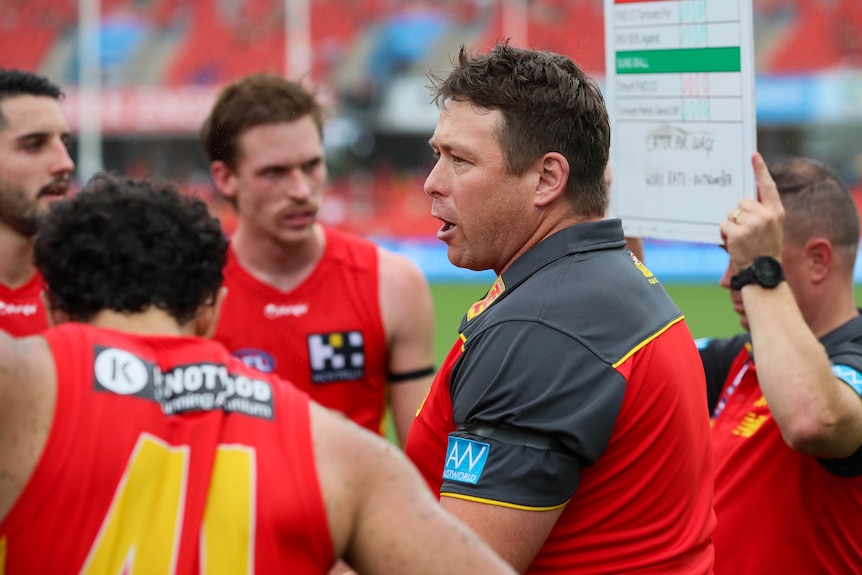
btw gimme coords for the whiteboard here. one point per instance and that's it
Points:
(680, 95)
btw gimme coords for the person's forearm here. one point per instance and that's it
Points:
(813, 409)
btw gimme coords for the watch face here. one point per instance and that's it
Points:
(768, 271)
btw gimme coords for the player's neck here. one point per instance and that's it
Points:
(152, 321)
(282, 267)
(16, 258)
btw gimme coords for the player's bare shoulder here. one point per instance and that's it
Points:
(28, 394)
(398, 273)
(26, 370)
(404, 290)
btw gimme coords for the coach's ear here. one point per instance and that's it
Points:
(206, 319)
(55, 316)
(553, 171)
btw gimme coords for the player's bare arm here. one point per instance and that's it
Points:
(408, 317)
(382, 516)
(27, 397)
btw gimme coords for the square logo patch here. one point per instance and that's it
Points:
(465, 460)
(337, 356)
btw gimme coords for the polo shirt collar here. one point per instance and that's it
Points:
(579, 238)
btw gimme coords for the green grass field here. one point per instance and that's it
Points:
(706, 307)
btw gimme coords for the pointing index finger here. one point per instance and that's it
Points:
(767, 192)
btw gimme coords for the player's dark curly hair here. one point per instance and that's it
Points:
(548, 104)
(125, 245)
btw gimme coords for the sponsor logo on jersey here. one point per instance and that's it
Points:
(496, 291)
(273, 311)
(644, 270)
(256, 358)
(181, 389)
(122, 372)
(338, 356)
(850, 376)
(465, 460)
(25, 309)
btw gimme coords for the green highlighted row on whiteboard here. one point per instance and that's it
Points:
(682, 60)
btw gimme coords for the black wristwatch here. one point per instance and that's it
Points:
(765, 271)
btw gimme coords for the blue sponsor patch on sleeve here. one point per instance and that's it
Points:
(849, 375)
(465, 460)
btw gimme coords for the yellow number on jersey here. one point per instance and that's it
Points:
(228, 530)
(141, 531)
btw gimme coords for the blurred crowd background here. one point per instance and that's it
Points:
(162, 61)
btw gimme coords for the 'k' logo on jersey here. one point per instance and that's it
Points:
(197, 386)
(338, 356)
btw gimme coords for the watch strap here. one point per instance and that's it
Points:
(743, 278)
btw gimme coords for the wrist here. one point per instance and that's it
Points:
(765, 271)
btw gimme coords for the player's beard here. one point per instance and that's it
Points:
(19, 211)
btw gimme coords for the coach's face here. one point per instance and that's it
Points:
(35, 167)
(487, 213)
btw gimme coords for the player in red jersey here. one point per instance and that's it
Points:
(35, 169)
(785, 397)
(128, 444)
(566, 425)
(346, 320)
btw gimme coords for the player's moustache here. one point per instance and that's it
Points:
(56, 187)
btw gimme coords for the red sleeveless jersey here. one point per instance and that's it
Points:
(326, 335)
(21, 309)
(166, 455)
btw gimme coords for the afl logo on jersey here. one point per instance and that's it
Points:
(256, 359)
(120, 371)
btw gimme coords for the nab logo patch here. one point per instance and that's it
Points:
(336, 356)
(465, 460)
(256, 359)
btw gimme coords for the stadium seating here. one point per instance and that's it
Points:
(215, 40)
(29, 28)
(796, 51)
